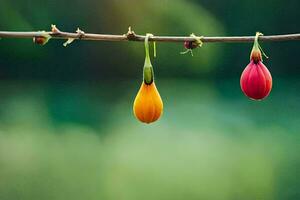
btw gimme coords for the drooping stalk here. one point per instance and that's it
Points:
(148, 69)
(256, 49)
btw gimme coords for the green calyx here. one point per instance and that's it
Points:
(148, 69)
(256, 53)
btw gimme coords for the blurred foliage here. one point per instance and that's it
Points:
(66, 125)
(211, 145)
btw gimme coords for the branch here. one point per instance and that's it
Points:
(131, 36)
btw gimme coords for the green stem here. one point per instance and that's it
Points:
(256, 45)
(147, 47)
(148, 69)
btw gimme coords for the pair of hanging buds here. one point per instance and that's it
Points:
(255, 81)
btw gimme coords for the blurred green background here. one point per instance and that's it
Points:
(66, 125)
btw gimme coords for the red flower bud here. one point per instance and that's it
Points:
(256, 81)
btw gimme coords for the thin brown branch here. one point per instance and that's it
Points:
(131, 36)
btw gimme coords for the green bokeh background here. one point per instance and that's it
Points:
(66, 125)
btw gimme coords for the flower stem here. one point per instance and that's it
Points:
(148, 69)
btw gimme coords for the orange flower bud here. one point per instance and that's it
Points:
(148, 105)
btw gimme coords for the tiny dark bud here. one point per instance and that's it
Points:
(190, 44)
(131, 35)
(40, 40)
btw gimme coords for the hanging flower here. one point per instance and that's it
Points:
(148, 105)
(256, 80)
